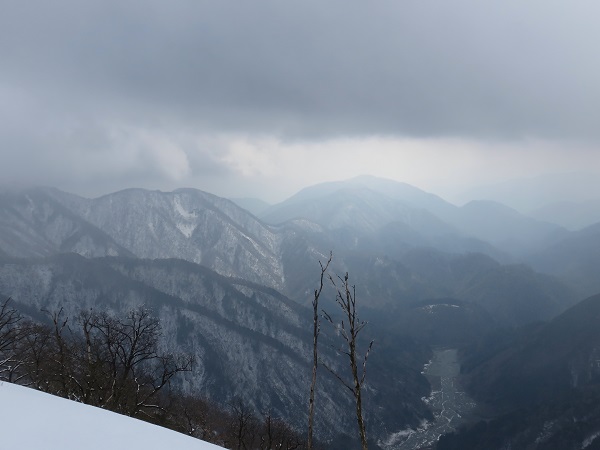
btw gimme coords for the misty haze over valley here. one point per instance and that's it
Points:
(298, 225)
(232, 289)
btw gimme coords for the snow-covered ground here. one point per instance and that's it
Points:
(33, 420)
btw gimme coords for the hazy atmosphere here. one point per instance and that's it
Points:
(262, 98)
(203, 203)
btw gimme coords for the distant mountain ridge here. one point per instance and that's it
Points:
(504, 227)
(226, 283)
(255, 206)
(364, 216)
(406, 193)
(571, 215)
(401, 194)
(532, 193)
(367, 204)
(186, 224)
(575, 257)
(35, 223)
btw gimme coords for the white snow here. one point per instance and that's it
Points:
(546, 432)
(426, 367)
(180, 209)
(33, 420)
(402, 435)
(186, 228)
(430, 308)
(588, 441)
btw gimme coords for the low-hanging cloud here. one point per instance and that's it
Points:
(149, 88)
(418, 68)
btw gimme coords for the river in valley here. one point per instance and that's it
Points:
(449, 404)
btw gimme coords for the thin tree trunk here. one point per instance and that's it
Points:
(359, 418)
(316, 329)
(349, 331)
(311, 402)
(357, 382)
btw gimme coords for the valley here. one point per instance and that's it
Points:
(231, 290)
(449, 403)
(176, 175)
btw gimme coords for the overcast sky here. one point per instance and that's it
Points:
(260, 98)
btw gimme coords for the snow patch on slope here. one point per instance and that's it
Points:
(181, 210)
(186, 229)
(588, 441)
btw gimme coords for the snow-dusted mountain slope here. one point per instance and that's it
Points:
(369, 204)
(362, 216)
(186, 224)
(352, 203)
(33, 420)
(249, 341)
(34, 223)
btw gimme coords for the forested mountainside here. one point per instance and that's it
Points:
(576, 258)
(249, 341)
(233, 289)
(368, 203)
(202, 228)
(545, 381)
(186, 224)
(198, 164)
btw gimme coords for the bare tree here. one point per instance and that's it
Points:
(9, 336)
(349, 328)
(275, 434)
(122, 357)
(33, 352)
(267, 435)
(9, 318)
(316, 331)
(111, 362)
(62, 357)
(243, 425)
(194, 415)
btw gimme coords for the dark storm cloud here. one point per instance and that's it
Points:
(73, 72)
(425, 68)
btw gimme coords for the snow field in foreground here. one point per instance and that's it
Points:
(34, 420)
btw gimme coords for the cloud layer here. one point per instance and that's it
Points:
(116, 92)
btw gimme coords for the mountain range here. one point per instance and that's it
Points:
(232, 287)
(531, 194)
